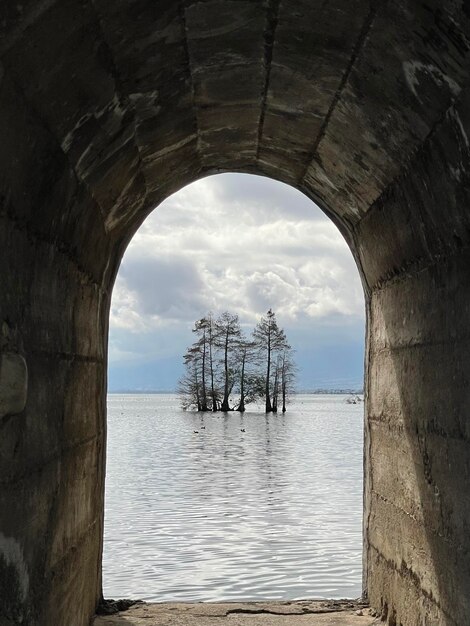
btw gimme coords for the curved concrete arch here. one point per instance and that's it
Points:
(107, 108)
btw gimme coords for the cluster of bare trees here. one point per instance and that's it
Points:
(225, 370)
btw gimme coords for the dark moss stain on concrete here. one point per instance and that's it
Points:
(12, 601)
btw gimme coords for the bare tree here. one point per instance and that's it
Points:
(228, 338)
(199, 350)
(241, 404)
(222, 360)
(270, 339)
(190, 387)
(287, 375)
(205, 330)
(275, 387)
(250, 383)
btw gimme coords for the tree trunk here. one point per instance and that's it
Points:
(283, 383)
(241, 406)
(204, 392)
(268, 374)
(225, 405)
(214, 399)
(196, 381)
(275, 390)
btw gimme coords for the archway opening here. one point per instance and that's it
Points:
(217, 507)
(364, 104)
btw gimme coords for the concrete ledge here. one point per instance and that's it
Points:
(301, 613)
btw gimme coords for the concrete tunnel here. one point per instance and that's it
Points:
(106, 108)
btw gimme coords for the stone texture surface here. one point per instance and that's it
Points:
(303, 613)
(108, 107)
(13, 383)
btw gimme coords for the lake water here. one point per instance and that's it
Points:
(274, 512)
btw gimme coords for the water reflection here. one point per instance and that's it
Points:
(272, 512)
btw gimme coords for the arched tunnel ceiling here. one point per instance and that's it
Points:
(143, 96)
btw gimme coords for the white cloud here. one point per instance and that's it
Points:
(235, 242)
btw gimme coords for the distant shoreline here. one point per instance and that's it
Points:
(315, 392)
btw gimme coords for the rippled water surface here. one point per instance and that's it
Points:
(220, 514)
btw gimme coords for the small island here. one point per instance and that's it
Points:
(225, 370)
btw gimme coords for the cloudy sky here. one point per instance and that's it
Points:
(240, 243)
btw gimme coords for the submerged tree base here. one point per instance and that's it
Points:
(223, 367)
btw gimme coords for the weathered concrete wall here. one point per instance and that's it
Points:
(417, 437)
(53, 315)
(105, 109)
